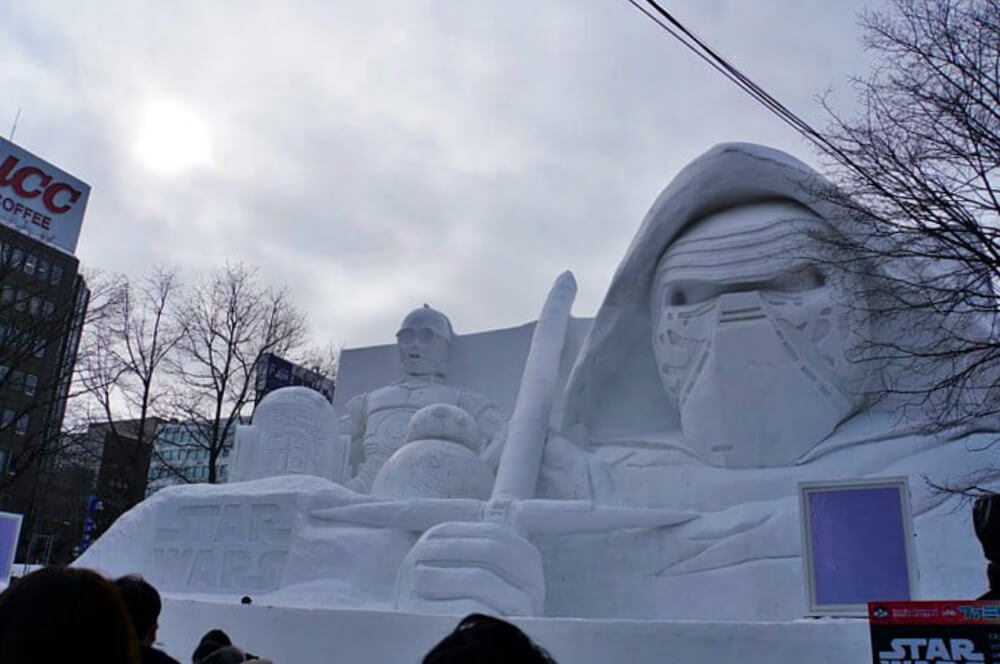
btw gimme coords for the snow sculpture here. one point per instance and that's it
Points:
(294, 431)
(377, 421)
(445, 422)
(718, 373)
(743, 278)
(439, 460)
(657, 481)
(476, 555)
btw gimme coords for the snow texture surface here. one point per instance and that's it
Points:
(649, 470)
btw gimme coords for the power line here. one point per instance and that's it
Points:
(677, 30)
(700, 48)
(720, 64)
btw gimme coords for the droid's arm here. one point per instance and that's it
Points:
(492, 425)
(352, 422)
(374, 456)
(352, 426)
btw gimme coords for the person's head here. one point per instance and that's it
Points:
(751, 334)
(424, 342)
(213, 640)
(216, 648)
(143, 604)
(58, 615)
(486, 640)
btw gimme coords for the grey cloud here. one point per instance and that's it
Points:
(456, 153)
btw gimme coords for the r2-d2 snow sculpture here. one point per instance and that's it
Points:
(294, 432)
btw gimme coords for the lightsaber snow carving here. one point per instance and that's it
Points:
(520, 462)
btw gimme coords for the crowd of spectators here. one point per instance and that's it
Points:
(59, 615)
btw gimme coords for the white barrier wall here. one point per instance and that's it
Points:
(325, 636)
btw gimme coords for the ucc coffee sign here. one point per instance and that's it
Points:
(39, 199)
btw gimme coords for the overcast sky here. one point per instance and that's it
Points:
(374, 156)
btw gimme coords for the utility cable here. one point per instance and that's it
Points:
(699, 47)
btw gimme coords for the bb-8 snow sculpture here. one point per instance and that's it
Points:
(440, 458)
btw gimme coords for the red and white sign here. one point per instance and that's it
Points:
(939, 632)
(39, 199)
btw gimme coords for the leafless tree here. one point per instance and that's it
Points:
(918, 171)
(230, 321)
(121, 369)
(323, 360)
(126, 349)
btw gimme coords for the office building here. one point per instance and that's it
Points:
(181, 455)
(43, 301)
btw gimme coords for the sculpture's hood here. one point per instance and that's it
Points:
(614, 378)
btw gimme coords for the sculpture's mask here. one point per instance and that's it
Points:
(752, 336)
(424, 342)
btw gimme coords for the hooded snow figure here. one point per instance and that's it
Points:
(724, 366)
(724, 332)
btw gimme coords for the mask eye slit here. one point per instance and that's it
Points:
(675, 297)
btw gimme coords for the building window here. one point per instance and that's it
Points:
(7, 418)
(30, 263)
(40, 348)
(48, 308)
(4, 369)
(16, 256)
(34, 305)
(30, 384)
(43, 269)
(57, 273)
(7, 295)
(22, 300)
(17, 381)
(22, 425)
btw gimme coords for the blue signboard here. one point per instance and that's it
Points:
(275, 372)
(857, 541)
(10, 530)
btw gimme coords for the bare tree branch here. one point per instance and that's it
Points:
(918, 171)
(231, 320)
